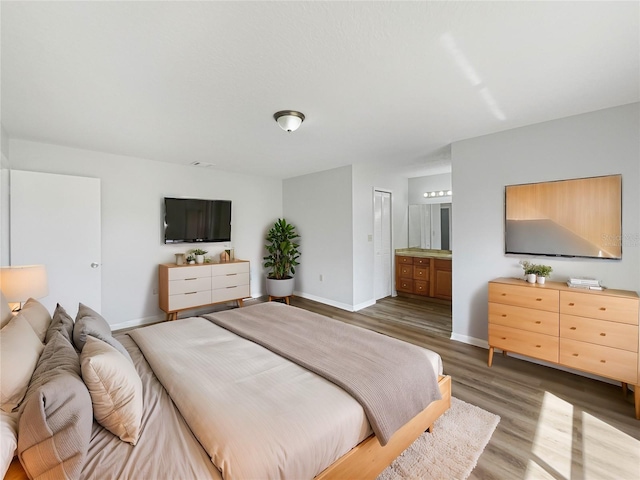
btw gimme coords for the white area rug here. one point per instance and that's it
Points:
(451, 451)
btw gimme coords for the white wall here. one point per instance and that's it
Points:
(598, 143)
(319, 205)
(132, 194)
(4, 197)
(367, 177)
(430, 183)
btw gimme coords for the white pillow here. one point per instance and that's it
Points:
(5, 310)
(38, 317)
(115, 389)
(8, 440)
(20, 349)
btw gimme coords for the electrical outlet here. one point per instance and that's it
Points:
(370, 238)
(155, 291)
(321, 277)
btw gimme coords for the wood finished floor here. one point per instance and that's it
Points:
(554, 424)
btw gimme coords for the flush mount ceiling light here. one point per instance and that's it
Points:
(289, 120)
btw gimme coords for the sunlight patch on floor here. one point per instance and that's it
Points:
(553, 441)
(608, 452)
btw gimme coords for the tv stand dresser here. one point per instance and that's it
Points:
(184, 287)
(588, 330)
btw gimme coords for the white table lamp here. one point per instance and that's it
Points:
(23, 282)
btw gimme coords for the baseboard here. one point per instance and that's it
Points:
(362, 305)
(326, 301)
(477, 342)
(137, 322)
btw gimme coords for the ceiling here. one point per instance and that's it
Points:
(392, 82)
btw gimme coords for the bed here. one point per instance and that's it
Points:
(254, 413)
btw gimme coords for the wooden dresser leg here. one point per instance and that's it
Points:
(625, 389)
(240, 303)
(636, 399)
(490, 361)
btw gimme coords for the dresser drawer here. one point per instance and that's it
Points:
(189, 300)
(181, 273)
(538, 321)
(420, 273)
(220, 269)
(421, 261)
(406, 271)
(441, 264)
(231, 280)
(405, 285)
(609, 362)
(600, 332)
(530, 296)
(603, 307)
(404, 260)
(230, 293)
(537, 345)
(188, 285)
(420, 287)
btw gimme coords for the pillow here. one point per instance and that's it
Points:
(115, 389)
(37, 316)
(62, 323)
(91, 323)
(57, 417)
(5, 310)
(8, 440)
(20, 349)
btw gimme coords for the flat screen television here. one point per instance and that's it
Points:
(193, 220)
(580, 217)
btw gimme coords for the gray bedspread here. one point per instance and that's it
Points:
(391, 379)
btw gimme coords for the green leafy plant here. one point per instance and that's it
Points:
(282, 249)
(198, 251)
(542, 270)
(191, 258)
(528, 267)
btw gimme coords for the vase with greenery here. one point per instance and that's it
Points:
(542, 272)
(282, 258)
(529, 271)
(199, 254)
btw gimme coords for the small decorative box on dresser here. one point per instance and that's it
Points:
(588, 330)
(182, 287)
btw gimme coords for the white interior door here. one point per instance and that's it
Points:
(382, 244)
(55, 221)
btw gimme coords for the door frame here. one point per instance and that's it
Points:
(392, 256)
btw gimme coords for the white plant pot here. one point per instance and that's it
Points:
(541, 280)
(280, 288)
(199, 258)
(531, 277)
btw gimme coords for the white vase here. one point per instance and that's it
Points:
(541, 280)
(199, 259)
(531, 277)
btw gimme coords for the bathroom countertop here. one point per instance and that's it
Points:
(422, 252)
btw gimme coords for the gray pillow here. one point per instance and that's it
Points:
(57, 416)
(90, 322)
(62, 323)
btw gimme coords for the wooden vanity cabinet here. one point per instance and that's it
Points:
(424, 276)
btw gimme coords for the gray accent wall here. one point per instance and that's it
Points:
(592, 144)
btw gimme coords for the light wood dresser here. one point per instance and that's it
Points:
(183, 287)
(588, 330)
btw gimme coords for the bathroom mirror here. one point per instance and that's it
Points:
(430, 226)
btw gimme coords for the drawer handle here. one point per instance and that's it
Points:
(504, 338)
(194, 278)
(575, 354)
(572, 328)
(538, 346)
(603, 361)
(503, 294)
(603, 334)
(504, 315)
(571, 304)
(538, 322)
(538, 299)
(191, 293)
(603, 308)
(233, 286)
(231, 274)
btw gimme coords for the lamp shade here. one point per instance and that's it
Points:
(289, 120)
(20, 283)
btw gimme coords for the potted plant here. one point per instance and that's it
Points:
(542, 272)
(199, 254)
(529, 271)
(282, 258)
(191, 259)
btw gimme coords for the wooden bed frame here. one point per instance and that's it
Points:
(367, 459)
